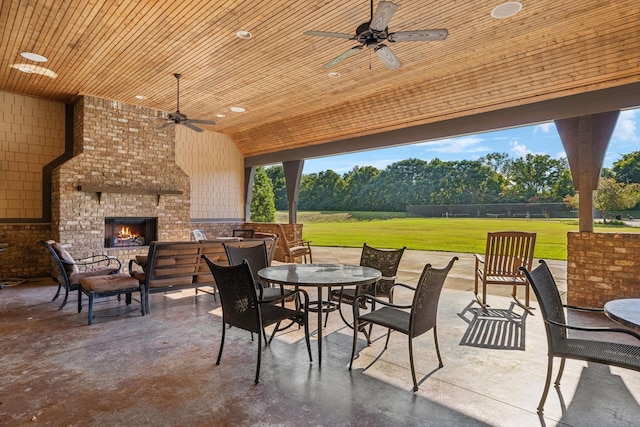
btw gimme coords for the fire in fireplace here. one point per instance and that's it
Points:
(129, 231)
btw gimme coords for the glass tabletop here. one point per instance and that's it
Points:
(320, 274)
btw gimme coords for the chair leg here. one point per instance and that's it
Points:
(355, 334)
(306, 336)
(413, 369)
(221, 343)
(79, 300)
(257, 380)
(386, 343)
(142, 300)
(560, 371)
(66, 296)
(91, 295)
(57, 293)
(435, 339)
(546, 385)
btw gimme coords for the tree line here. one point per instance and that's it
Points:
(494, 178)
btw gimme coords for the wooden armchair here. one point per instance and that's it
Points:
(505, 253)
(294, 249)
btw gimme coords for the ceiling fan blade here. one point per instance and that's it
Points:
(193, 127)
(381, 18)
(388, 57)
(418, 36)
(335, 61)
(204, 122)
(329, 34)
(164, 126)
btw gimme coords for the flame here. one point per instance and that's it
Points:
(125, 233)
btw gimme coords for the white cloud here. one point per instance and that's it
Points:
(626, 129)
(465, 144)
(519, 150)
(545, 127)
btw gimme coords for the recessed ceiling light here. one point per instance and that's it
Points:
(34, 69)
(141, 97)
(334, 74)
(244, 34)
(238, 109)
(506, 10)
(220, 115)
(33, 57)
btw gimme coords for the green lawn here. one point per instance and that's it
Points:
(466, 235)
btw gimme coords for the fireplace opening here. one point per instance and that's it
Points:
(129, 231)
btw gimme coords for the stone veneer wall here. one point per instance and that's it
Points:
(116, 145)
(602, 267)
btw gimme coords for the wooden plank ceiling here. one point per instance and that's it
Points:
(119, 49)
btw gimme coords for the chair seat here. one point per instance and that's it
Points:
(389, 318)
(270, 293)
(272, 313)
(109, 283)
(76, 278)
(504, 279)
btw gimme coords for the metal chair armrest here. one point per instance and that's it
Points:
(377, 300)
(403, 285)
(593, 328)
(578, 308)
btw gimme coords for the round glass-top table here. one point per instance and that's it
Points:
(319, 276)
(625, 311)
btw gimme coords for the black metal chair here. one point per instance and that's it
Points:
(243, 308)
(558, 342)
(257, 256)
(387, 262)
(421, 318)
(69, 271)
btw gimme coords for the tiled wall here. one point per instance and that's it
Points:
(31, 135)
(602, 267)
(216, 168)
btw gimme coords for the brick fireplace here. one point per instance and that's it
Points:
(121, 168)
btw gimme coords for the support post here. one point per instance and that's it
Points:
(249, 174)
(293, 176)
(585, 139)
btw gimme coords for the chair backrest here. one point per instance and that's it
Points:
(247, 233)
(237, 295)
(387, 262)
(61, 270)
(256, 255)
(424, 309)
(507, 251)
(546, 290)
(199, 235)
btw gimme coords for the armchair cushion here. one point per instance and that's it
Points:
(69, 263)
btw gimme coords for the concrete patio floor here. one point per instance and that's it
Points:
(160, 369)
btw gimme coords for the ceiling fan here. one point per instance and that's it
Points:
(180, 119)
(371, 34)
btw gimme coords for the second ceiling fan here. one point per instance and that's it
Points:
(371, 34)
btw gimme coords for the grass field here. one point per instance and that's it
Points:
(466, 235)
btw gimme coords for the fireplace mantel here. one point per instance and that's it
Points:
(99, 189)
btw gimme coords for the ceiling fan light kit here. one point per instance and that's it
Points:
(372, 34)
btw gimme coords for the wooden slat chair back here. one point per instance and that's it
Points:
(505, 253)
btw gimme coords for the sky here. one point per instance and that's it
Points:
(517, 142)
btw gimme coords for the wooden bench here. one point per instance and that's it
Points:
(171, 266)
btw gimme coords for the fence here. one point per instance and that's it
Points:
(495, 210)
